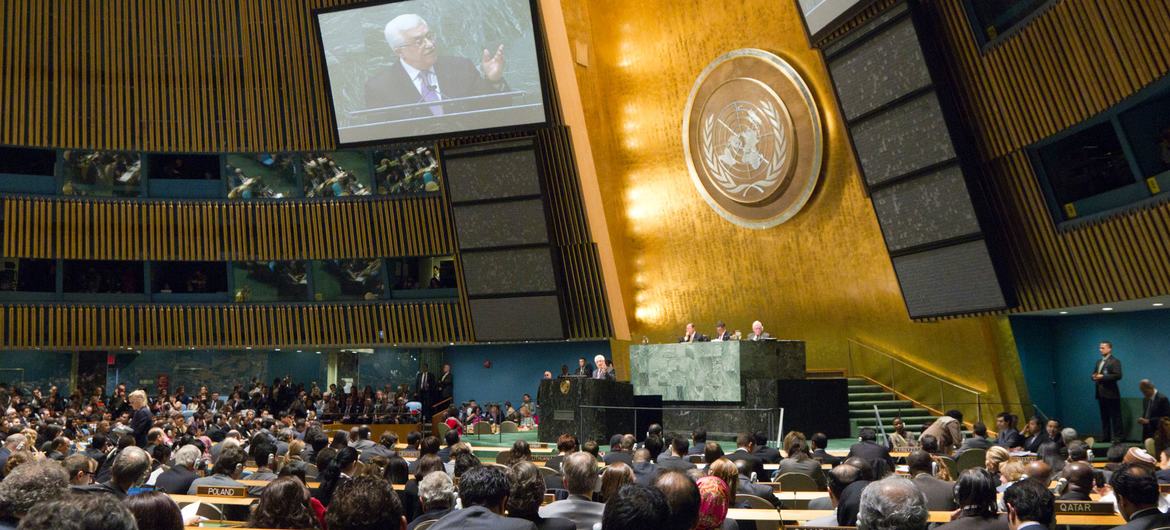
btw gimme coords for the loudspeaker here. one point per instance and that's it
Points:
(815, 405)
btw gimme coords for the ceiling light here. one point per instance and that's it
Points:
(1158, 304)
(1064, 312)
(1107, 309)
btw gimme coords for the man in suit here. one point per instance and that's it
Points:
(484, 492)
(1035, 434)
(770, 455)
(1106, 375)
(128, 468)
(179, 477)
(698, 440)
(645, 470)
(978, 440)
(1079, 479)
(362, 442)
(721, 333)
(225, 472)
(622, 452)
(604, 370)
(583, 368)
(1029, 505)
(819, 442)
(869, 450)
(1155, 406)
(384, 447)
(838, 478)
(745, 451)
(690, 335)
(1137, 498)
(580, 479)
(1007, 436)
(423, 75)
(746, 486)
(446, 383)
(424, 389)
(758, 332)
(676, 459)
(940, 494)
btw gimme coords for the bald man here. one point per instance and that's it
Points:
(1039, 471)
(1080, 482)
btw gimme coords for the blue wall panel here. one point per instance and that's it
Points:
(516, 368)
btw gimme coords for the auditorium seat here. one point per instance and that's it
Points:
(969, 459)
(508, 427)
(483, 427)
(798, 482)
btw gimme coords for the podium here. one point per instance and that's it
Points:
(558, 400)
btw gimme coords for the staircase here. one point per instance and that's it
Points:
(864, 394)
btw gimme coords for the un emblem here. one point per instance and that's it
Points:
(752, 136)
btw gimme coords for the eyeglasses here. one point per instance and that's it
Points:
(418, 42)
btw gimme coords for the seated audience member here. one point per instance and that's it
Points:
(947, 429)
(676, 459)
(1052, 432)
(365, 503)
(429, 445)
(1050, 453)
(747, 487)
(682, 497)
(770, 455)
(580, 479)
(929, 444)
(1163, 473)
(129, 468)
(179, 477)
(566, 445)
(900, 439)
(1029, 501)
(424, 466)
(158, 462)
(868, 449)
(618, 475)
(636, 507)
(82, 512)
(464, 462)
(1114, 456)
(154, 510)
(940, 494)
(384, 447)
(1010, 472)
(284, 503)
(262, 451)
(996, 456)
(436, 496)
(690, 335)
(80, 469)
(1006, 433)
(526, 495)
(978, 439)
(714, 501)
(644, 470)
(841, 478)
(712, 451)
(521, 452)
(483, 492)
(339, 469)
(862, 465)
(726, 471)
(1080, 479)
(975, 494)
(799, 461)
(1069, 435)
(1136, 491)
(892, 503)
(1034, 434)
(623, 451)
(819, 443)
(225, 472)
(745, 445)
(1039, 471)
(28, 485)
(451, 438)
(698, 441)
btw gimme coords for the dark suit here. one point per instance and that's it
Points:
(177, 480)
(674, 462)
(457, 77)
(762, 491)
(976, 523)
(1154, 410)
(446, 385)
(725, 336)
(424, 386)
(618, 456)
(826, 458)
(1075, 496)
(1163, 476)
(755, 463)
(1009, 438)
(940, 494)
(644, 473)
(586, 371)
(474, 517)
(808, 466)
(1109, 398)
(871, 452)
(849, 503)
(141, 422)
(697, 337)
(769, 455)
(1032, 443)
(1148, 519)
(974, 442)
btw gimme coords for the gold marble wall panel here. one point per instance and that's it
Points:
(824, 276)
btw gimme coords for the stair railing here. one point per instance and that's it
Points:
(927, 389)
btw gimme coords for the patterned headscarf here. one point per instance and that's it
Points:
(714, 500)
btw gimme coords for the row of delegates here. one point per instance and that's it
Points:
(721, 333)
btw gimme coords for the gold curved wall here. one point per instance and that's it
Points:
(823, 277)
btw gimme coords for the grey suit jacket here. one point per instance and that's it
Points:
(583, 512)
(674, 462)
(476, 517)
(940, 494)
(1146, 520)
(214, 480)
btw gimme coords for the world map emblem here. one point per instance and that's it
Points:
(752, 136)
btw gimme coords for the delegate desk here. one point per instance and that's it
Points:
(558, 401)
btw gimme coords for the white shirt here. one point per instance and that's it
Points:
(413, 72)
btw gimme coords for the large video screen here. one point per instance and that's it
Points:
(426, 67)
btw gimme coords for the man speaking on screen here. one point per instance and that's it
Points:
(423, 75)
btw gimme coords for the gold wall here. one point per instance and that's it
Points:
(823, 277)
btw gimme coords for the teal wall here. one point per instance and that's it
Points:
(1059, 353)
(516, 368)
(41, 369)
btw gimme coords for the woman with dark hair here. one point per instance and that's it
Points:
(613, 478)
(340, 440)
(526, 494)
(452, 420)
(521, 452)
(284, 504)
(1050, 453)
(155, 510)
(397, 470)
(799, 461)
(976, 496)
(338, 471)
(425, 464)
